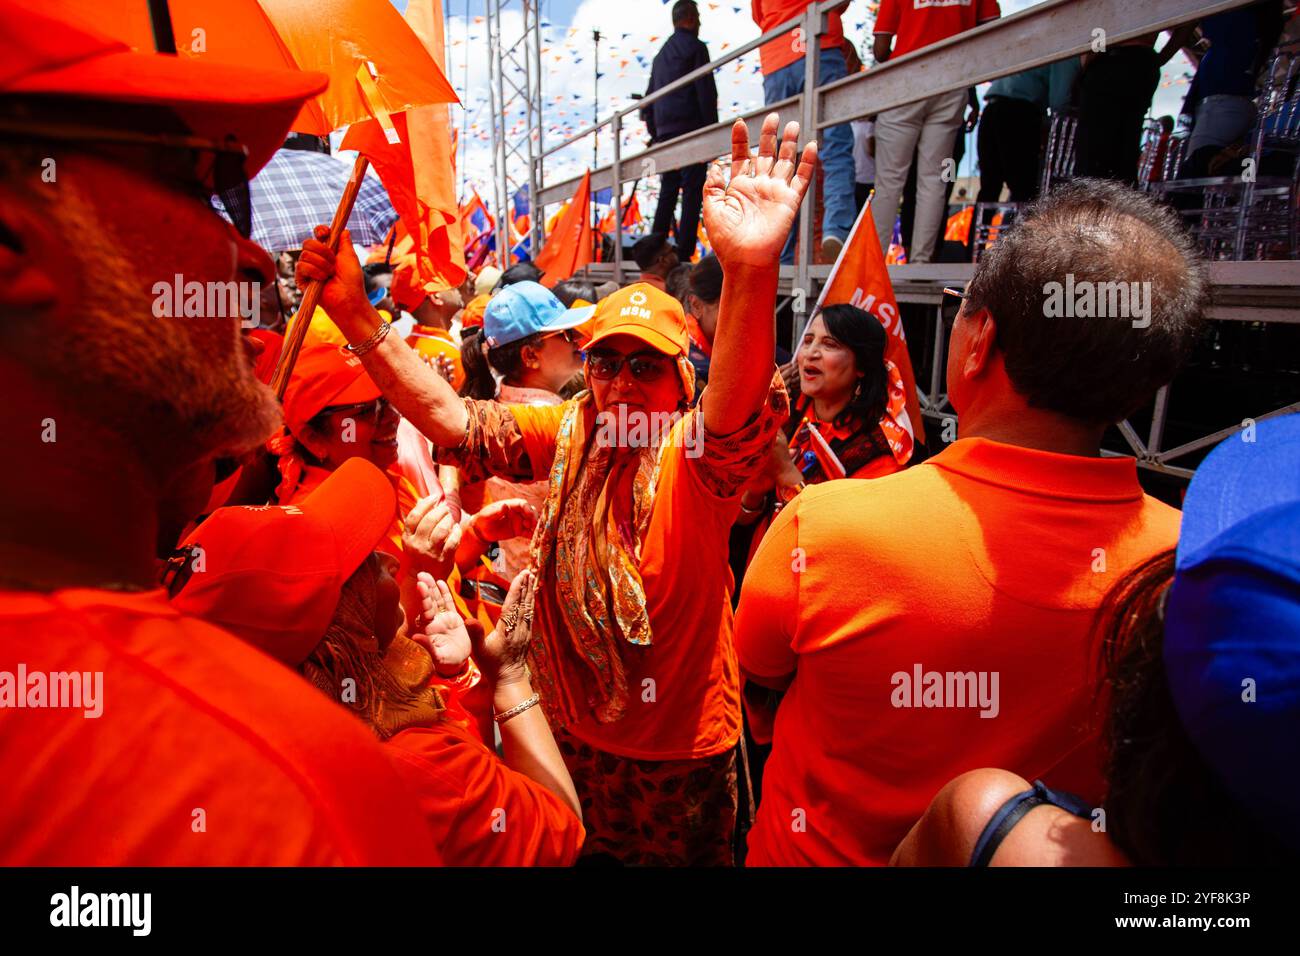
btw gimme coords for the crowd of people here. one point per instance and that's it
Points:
(908, 155)
(526, 575)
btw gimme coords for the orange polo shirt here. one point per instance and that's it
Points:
(988, 558)
(206, 752)
(481, 812)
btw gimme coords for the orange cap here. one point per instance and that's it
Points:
(58, 55)
(471, 317)
(325, 375)
(644, 312)
(272, 575)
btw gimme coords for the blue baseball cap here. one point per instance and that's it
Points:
(526, 308)
(1232, 621)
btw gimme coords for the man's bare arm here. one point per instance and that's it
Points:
(747, 220)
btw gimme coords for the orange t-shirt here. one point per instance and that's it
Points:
(684, 688)
(192, 720)
(784, 50)
(919, 24)
(481, 812)
(988, 558)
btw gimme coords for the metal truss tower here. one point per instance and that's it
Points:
(515, 98)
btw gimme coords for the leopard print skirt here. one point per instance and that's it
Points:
(654, 812)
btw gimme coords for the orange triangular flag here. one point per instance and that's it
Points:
(419, 172)
(860, 278)
(569, 247)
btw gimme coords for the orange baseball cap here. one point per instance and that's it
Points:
(59, 55)
(272, 575)
(642, 311)
(325, 375)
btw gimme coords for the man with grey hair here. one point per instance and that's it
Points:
(985, 563)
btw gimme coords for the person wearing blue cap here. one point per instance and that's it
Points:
(528, 308)
(529, 339)
(1200, 658)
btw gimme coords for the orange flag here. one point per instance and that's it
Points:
(859, 278)
(569, 247)
(334, 37)
(419, 171)
(958, 229)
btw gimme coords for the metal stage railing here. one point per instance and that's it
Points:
(1253, 292)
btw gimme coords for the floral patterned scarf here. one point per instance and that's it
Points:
(587, 548)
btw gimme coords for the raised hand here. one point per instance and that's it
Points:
(501, 654)
(344, 291)
(440, 629)
(430, 536)
(748, 218)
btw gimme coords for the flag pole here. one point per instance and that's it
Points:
(311, 295)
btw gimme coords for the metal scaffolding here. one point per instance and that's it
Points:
(1244, 292)
(515, 99)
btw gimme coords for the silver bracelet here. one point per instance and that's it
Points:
(518, 709)
(372, 340)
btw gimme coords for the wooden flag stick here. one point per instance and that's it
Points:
(311, 295)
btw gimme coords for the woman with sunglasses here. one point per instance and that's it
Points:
(334, 412)
(632, 654)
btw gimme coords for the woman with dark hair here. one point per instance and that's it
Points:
(703, 296)
(575, 293)
(1199, 769)
(834, 429)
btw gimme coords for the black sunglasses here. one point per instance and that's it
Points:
(647, 366)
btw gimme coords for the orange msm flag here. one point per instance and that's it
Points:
(419, 171)
(569, 247)
(859, 278)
